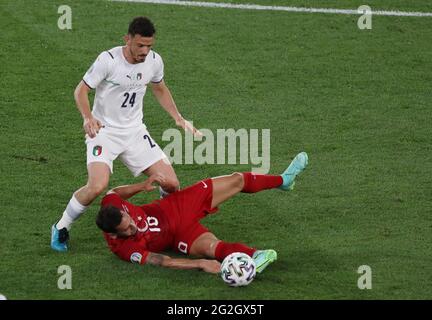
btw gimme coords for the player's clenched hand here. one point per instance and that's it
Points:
(211, 266)
(155, 178)
(92, 126)
(187, 126)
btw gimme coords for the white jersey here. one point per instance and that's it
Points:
(121, 86)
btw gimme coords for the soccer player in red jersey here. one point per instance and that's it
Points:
(139, 233)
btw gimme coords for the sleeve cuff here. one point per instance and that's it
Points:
(87, 84)
(157, 81)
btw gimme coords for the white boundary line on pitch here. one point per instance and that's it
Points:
(279, 8)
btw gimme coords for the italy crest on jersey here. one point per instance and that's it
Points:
(97, 150)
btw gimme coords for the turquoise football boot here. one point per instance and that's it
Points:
(263, 258)
(297, 165)
(59, 238)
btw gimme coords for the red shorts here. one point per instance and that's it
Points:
(185, 208)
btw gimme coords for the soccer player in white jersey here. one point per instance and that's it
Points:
(114, 128)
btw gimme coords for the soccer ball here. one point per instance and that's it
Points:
(238, 269)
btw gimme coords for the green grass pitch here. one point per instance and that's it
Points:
(358, 101)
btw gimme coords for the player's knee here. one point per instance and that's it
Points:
(205, 245)
(96, 189)
(171, 185)
(212, 247)
(238, 181)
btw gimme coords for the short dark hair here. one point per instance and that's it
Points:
(108, 219)
(142, 26)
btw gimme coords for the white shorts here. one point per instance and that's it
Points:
(135, 147)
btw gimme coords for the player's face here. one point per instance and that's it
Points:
(139, 47)
(127, 226)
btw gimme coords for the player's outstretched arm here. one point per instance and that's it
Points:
(211, 266)
(127, 191)
(163, 95)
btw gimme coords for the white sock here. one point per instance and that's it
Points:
(64, 222)
(73, 211)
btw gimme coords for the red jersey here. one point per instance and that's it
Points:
(153, 234)
(170, 223)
